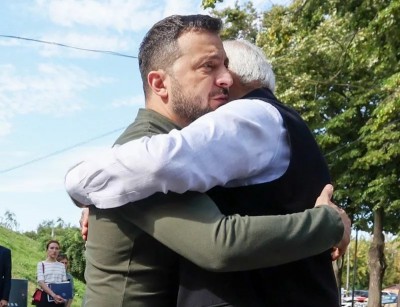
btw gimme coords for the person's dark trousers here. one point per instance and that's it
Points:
(5, 273)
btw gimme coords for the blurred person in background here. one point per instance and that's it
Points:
(51, 271)
(5, 275)
(64, 260)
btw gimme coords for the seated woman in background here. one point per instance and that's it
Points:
(51, 271)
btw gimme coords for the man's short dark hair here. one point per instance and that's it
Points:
(159, 48)
(62, 257)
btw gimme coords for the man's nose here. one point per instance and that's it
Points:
(225, 78)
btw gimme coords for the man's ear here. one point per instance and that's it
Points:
(156, 80)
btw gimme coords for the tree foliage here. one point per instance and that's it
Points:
(9, 221)
(355, 267)
(337, 65)
(239, 22)
(206, 4)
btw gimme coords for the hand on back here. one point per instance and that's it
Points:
(325, 199)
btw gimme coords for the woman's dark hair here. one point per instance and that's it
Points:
(52, 241)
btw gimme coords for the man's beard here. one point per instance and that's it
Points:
(187, 106)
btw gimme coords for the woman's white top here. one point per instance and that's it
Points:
(54, 272)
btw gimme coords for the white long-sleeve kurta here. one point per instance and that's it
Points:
(241, 143)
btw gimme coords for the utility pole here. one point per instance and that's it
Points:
(348, 270)
(354, 269)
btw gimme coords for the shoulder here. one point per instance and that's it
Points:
(5, 254)
(250, 110)
(4, 250)
(147, 123)
(247, 105)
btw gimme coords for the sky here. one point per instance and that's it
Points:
(60, 105)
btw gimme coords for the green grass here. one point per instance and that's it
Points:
(26, 253)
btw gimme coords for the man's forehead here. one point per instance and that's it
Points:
(201, 44)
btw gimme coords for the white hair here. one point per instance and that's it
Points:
(249, 63)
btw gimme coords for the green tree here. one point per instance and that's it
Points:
(240, 22)
(359, 260)
(9, 221)
(206, 4)
(355, 273)
(338, 67)
(392, 253)
(74, 247)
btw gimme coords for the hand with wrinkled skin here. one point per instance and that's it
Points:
(84, 222)
(325, 199)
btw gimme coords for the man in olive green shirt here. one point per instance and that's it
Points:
(133, 251)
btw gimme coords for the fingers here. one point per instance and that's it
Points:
(84, 233)
(84, 222)
(341, 247)
(59, 299)
(335, 254)
(328, 190)
(325, 199)
(346, 233)
(325, 196)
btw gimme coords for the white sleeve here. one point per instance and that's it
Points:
(243, 142)
(40, 271)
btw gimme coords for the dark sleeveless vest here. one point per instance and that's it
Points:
(306, 283)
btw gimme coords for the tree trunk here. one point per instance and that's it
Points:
(376, 261)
